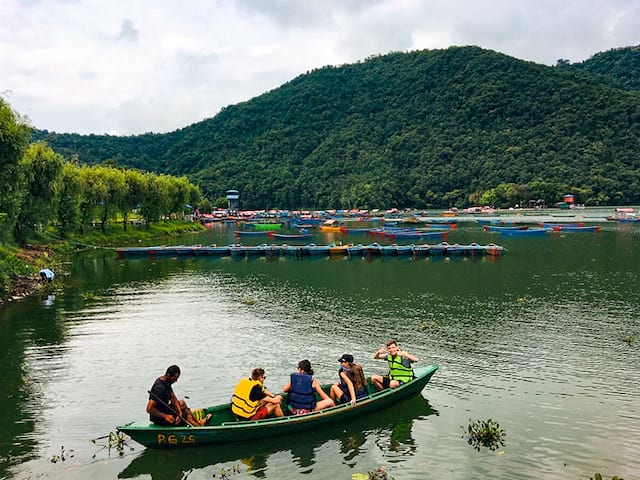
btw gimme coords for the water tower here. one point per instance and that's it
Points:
(233, 202)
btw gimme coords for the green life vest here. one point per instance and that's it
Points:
(241, 404)
(398, 370)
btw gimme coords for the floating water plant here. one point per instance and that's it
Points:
(597, 476)
(249, 301)
(117, 441)
(225, 474)
(379, 473)
(629, 339)
(63, 455)
(484, 433)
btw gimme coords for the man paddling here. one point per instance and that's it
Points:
(163, 406)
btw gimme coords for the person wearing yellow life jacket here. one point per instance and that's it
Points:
(252, 401)
(400, 369)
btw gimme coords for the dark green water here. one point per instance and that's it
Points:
(533, 340)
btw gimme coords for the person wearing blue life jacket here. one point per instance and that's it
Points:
(302, 388)
(400, 369)
(353, 385)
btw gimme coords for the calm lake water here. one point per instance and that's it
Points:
(534, 340)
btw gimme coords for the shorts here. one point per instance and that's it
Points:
(263, 412)
(386, 381)
(299, 411)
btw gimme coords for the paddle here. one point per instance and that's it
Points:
(170, 408)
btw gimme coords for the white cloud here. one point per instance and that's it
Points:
(134, 66)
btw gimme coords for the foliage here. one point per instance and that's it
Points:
(598, 476)
(432, 128)
(64, 454)
(629, 339)
(114, 440)
(485, 433)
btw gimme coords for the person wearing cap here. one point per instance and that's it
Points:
(352, 385)
(400, 369)
(252, 401)
(302, 388)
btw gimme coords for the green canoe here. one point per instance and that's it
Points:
(224, 427)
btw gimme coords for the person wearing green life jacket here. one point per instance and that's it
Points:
(400, 369)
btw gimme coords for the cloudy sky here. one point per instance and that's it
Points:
(133, 66)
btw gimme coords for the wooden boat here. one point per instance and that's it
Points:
(577, 229)
(339, 249)
(530, 232)
(267, 226)
(291, 236)
(250, 233)
(504, 228)
(494, 250)
(355, 249)
(313, 249)
(224, 427)
(404, 249)
(387, 250)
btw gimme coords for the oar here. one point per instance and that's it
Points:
(170, 408)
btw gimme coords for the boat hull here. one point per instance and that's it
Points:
(227, 429)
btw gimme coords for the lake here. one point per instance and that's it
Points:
(534, 340)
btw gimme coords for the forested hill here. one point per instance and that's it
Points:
(431, 128)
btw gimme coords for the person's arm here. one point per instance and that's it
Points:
(153, 410)
(287, 387)
(352, 391)
(176, 404)
(380, 353)
(316, 386)
(407, 355)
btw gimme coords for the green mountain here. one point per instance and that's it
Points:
(431, 128)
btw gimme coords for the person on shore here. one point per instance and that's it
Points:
(302, 388)
(252, 401)
(352, 385)
(400, 368)
(163, 406)
(46, 275)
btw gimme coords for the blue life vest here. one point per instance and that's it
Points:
(301, 394)
(345, 388)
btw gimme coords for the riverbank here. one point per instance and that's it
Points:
(19, 265)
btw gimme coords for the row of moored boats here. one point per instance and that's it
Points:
(439, 249)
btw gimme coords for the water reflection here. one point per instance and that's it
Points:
(389, 430)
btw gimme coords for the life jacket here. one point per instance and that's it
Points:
(398, 370)
(345, 388)
(301, 394)
(241, 404)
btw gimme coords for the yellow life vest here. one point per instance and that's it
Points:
(241, 404)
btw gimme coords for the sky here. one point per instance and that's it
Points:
(126, 67)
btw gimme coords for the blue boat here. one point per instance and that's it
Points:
(313, 249)
(355, 249)
(404, 249)
(387, 250)
(530, 232)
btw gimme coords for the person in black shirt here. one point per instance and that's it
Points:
(163, 406)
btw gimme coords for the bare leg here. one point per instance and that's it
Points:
(336, 392)
(377, 381)
(322, 404)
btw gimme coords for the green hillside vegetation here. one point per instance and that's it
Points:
(424, 129)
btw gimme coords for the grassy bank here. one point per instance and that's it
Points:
(19, 266)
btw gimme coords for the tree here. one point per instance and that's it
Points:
(14, 135)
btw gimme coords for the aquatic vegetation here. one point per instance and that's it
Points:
(629, 339)
(64, 454)
(225, 474)
(117, 441)
(597, 476)
(484, 433)
(379, 473)
(427, 325)
(249, 301)
(90, 296)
